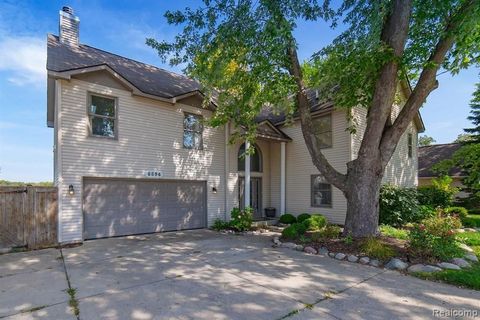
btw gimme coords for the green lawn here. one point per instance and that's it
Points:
(470, 277)
(471, 221)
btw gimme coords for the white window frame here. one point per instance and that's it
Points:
(312, 193)
(92, 115)
(200, 117)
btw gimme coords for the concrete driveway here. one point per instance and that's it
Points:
(207, 275)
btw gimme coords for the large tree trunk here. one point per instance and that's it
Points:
(362, 193)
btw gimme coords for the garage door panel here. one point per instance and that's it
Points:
(122, 207)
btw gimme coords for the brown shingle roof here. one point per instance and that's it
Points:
(146, 78)
(430, 155)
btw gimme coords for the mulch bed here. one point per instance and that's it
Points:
(354, 248)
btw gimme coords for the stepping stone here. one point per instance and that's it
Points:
(423, 268)
(323, 251)
(466, 248)
(462, 263)
(340, 256)
(374, 263)
(471, 257)
(364, 260)
(447, 265)
(352, 258)
(396, 264)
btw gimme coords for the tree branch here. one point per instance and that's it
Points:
(426, 83)
(311, 140)
(394, 36)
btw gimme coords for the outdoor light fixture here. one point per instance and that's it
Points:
(70, 190)
(214, 190)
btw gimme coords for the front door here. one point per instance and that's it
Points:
(255, 195)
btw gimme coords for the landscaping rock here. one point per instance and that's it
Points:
(462, 263)
(423, 268)
(466, 248)
(470, 229)
(364, 260)
(374, 263)
(299, 247)
(310, 250)
(340, 256)
(331, 254)
(352, 258)
(277, 241)
(396, 264)
(447, 265)
(323, 251)
(289, 245)
(471, 257)
(459, 230)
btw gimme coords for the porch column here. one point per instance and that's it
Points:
(246, 196)
(282, 177)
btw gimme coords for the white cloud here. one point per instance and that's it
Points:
(24, 58)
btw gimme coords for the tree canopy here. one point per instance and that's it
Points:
(245, 55)
(425, 141)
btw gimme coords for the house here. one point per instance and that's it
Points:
(131, 154)
(428, 156)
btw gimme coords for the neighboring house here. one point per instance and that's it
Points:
(131, 154)
(433, 154)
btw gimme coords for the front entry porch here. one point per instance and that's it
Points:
(259, 174)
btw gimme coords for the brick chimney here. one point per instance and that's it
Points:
(69, 26)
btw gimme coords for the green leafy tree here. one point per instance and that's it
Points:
(463, 138)
(245, 53)
(468, 156)
(475, 117)
(425, 141)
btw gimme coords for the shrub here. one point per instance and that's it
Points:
(302, 217)
(374, 247)
(426, 211)
(439, 194)
(330, 231)
(399, 206)
(315, 222)
(434, 238)
(460, 212)
(241, 219)
(393, 232)
(219, 225)
(287, 218)
(294, 231)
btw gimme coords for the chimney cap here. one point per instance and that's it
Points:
(67, 9)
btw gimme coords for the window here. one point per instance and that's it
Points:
(102, 116)
(321, 192)
(410, 145)
(255, 159)
(322, 128)
(192, 131)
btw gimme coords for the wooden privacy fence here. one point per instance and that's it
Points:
(28, 216)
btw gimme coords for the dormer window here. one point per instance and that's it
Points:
(102, 112)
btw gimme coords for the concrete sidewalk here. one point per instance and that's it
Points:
(206, 275)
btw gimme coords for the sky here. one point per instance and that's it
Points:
(121, 26)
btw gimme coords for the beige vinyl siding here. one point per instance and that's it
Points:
(401, 170)
(150, 136)
(299, 168)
